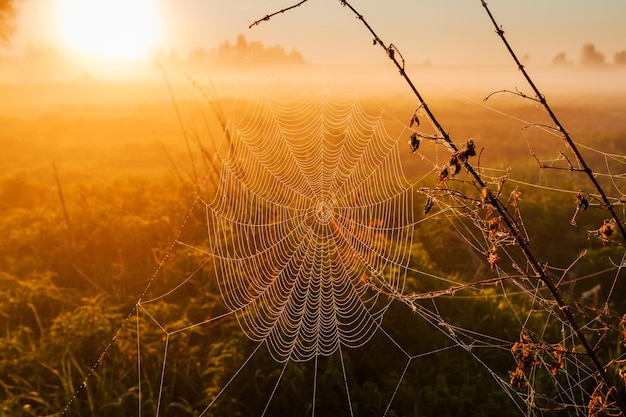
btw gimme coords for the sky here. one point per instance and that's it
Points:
(444, 32)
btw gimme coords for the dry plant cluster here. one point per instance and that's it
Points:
(506, 227)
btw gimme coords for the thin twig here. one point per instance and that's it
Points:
(182, 127)
(70, 229)
(542, 125)
(566, 136)
(515, 93)
(544, 166)
(448, 291)
(553, 289)
(570, 267)
(269, 16)
(429, 137)
(511, 224)
(571, 167)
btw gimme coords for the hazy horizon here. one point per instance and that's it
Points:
(444, 33)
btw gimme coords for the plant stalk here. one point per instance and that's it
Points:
(560, 128)
(508, 219)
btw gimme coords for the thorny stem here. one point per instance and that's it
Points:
(553, 289)
(541, 99)
(508, 219)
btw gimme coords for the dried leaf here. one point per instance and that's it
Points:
(456, 162)
(470, 148)
(489, 212)
(415, 142)
(525, 352)
(559, 362)
(515, 195)
(443, 175)
(493, 258)
(581, 202)
(494, 225)
(599, 403)
(485, 195)
(459, 158)
(606, 230)
(429, 205)
(517, 378)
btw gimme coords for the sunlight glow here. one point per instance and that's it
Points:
(111, 29)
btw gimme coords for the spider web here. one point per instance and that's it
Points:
(307, 232)
(307, 228)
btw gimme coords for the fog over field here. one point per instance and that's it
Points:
(318, 213)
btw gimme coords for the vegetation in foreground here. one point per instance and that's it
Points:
(83, 237)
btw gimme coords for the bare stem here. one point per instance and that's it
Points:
(70, 229)
(553, 289)
(566, 136)
(269, 16)
(509, 221)
(515, 93)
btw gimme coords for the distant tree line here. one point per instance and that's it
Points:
(591, 57)
(243, 51)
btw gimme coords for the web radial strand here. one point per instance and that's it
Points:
(311, 193)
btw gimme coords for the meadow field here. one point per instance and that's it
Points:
(98, 179)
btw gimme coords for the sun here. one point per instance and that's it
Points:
(109, 29)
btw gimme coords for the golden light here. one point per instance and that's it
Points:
(109, 29)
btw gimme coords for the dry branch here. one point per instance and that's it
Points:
(269, 16)
(541, 99)
(616, 221)
(508, 221)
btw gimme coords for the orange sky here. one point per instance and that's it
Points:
(445, 32)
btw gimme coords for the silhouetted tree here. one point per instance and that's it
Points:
(241, 44)
(8, 11)
(590, 56)
(560, 60)
(620, 58)
(243, 50)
